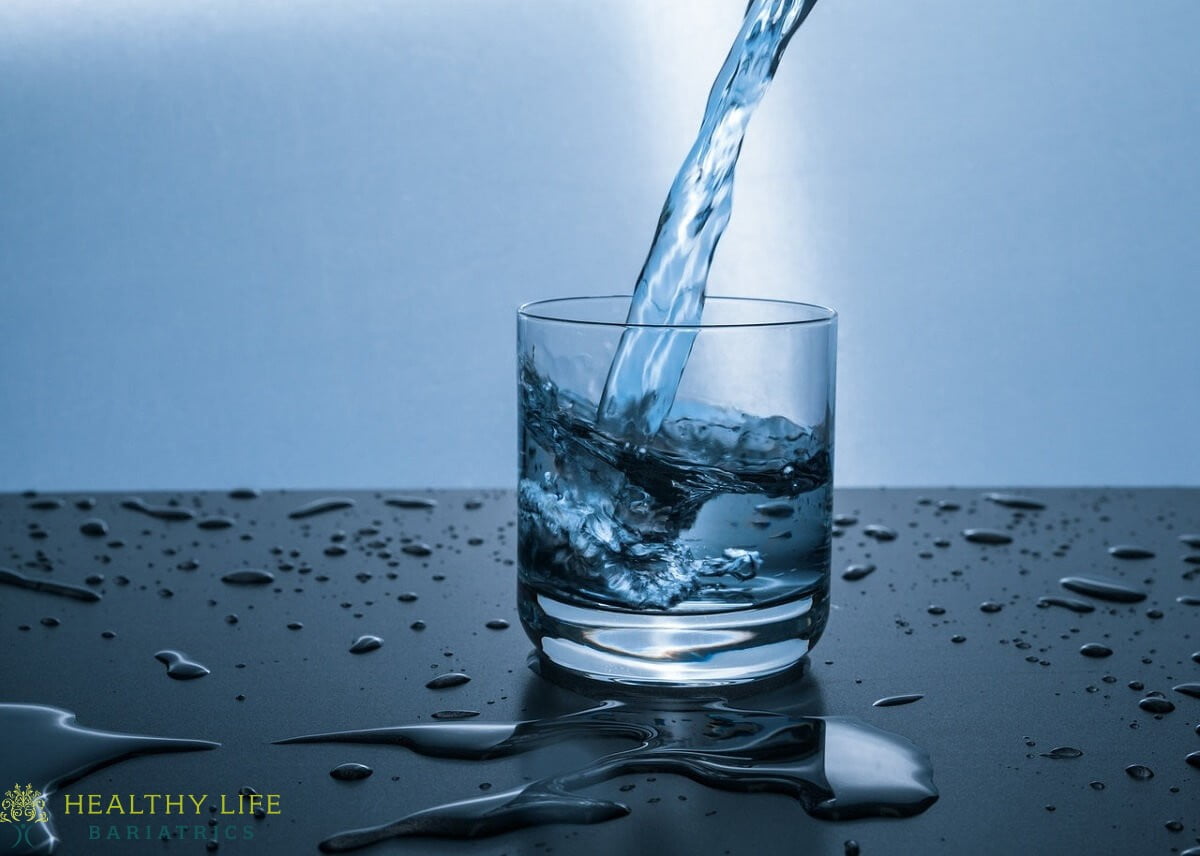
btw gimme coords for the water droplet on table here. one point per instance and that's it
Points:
(1103, 589)
(1012, 500)
(854, 573)
(414, 502)
(417, 549)
(1080, 606)
(450, 679)
(1139, 771)
(896, 700)
(179, 666)
(1129, 551)
(212, 523)
(1063, 752)
(320, 506)
(1095, 650)
(1153, 704)
(350, 772)
(248, 577)
(94, 528)
(987, 536)
(363, 644)
(879, 532)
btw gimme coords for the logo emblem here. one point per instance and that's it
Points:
(23, 806)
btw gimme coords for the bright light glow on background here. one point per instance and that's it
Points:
(281, 243)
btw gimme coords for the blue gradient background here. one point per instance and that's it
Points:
(282, 243)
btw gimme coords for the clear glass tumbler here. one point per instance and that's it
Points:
(698, 555)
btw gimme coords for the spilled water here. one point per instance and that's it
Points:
(1153, 642)
(13, 578)
(1103, 589)
(180, 667)
(46, 748)
(1073, 604)
(837, 768)
(159, 512)
(321, 506)
(647, 367)
(602, 522)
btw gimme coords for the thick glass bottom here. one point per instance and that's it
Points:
(661, 649)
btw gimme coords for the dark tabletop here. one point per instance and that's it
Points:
(996, 702)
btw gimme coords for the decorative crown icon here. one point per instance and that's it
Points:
(23, 805)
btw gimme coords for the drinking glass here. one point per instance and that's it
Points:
(696, 555)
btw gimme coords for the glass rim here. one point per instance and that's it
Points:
(824, 315)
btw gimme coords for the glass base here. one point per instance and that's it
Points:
(673, 650)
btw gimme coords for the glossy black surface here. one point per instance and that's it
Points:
(997, 707)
